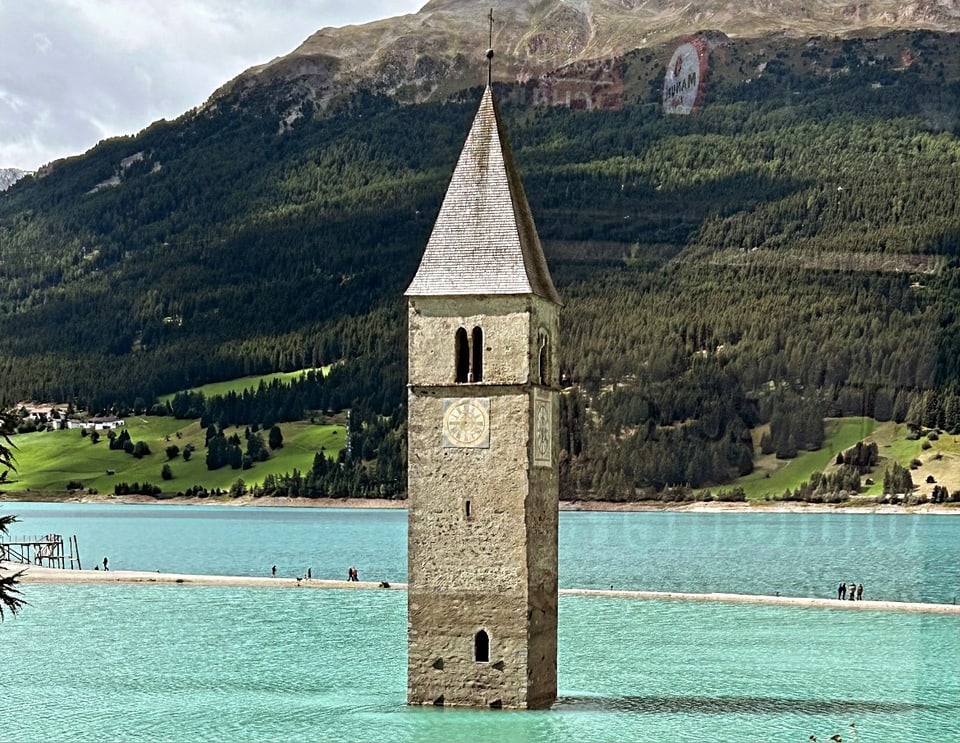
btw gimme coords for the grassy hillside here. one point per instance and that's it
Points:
(47, 461)
(242, 384)
(939, 458)
(772, 476)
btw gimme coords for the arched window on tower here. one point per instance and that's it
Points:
(477, 365)
(462, 353)
(543, 357)
(481, 647)
(468, 352)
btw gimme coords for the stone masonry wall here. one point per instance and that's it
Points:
(494, 568)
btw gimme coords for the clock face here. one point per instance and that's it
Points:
(466, 423)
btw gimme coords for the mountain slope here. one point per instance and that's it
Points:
(422, 55)
(788, 252)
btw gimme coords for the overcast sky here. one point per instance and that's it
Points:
(73, 72)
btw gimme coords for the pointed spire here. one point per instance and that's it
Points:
(484, 240)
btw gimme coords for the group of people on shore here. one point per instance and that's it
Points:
(850, 591)
(352, 574)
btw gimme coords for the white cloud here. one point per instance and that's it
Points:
(73, 72)
(42, 42)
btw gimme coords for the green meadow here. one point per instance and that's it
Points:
(240, 384)
(939, 458)
(772, 476)
(46, 461)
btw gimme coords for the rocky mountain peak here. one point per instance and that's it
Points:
(441, 48)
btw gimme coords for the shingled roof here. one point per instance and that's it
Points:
(484, 240)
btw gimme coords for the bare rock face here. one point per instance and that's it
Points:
(564, 32)
(440, 49)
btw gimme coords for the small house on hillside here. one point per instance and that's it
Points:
(98, 424)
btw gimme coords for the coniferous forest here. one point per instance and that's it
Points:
(789, 253)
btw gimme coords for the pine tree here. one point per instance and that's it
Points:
(9, 592)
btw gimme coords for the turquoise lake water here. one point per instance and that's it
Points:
(181, 663)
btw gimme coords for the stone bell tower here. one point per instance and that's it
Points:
(483, 454)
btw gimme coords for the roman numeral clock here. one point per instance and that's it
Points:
(466, 422)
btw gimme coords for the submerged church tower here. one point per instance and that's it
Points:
(483, 413)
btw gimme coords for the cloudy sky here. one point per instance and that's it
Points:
(73, 72)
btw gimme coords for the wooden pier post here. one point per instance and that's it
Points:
(47, 551)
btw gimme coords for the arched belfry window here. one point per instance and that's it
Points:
(462, 351)
(477, 366)
(481, 647)
(543, 357)
(468, 350)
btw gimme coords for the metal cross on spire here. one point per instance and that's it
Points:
(490, 53)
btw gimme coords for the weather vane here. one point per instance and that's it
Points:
(490, 52)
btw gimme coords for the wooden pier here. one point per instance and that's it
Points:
(46, 551)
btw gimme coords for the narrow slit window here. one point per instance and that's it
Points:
(467, 509)
(482, 647)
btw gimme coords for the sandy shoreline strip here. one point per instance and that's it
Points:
(745, 598)
(36, 574)
(247, 501)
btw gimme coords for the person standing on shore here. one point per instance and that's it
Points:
(273, 571)
(852, 591)
(841, 590)
(105, 561)
(859, 591)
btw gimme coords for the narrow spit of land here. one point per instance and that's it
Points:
(36, 574)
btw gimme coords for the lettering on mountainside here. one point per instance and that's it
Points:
(596, 85)
(684, 78)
